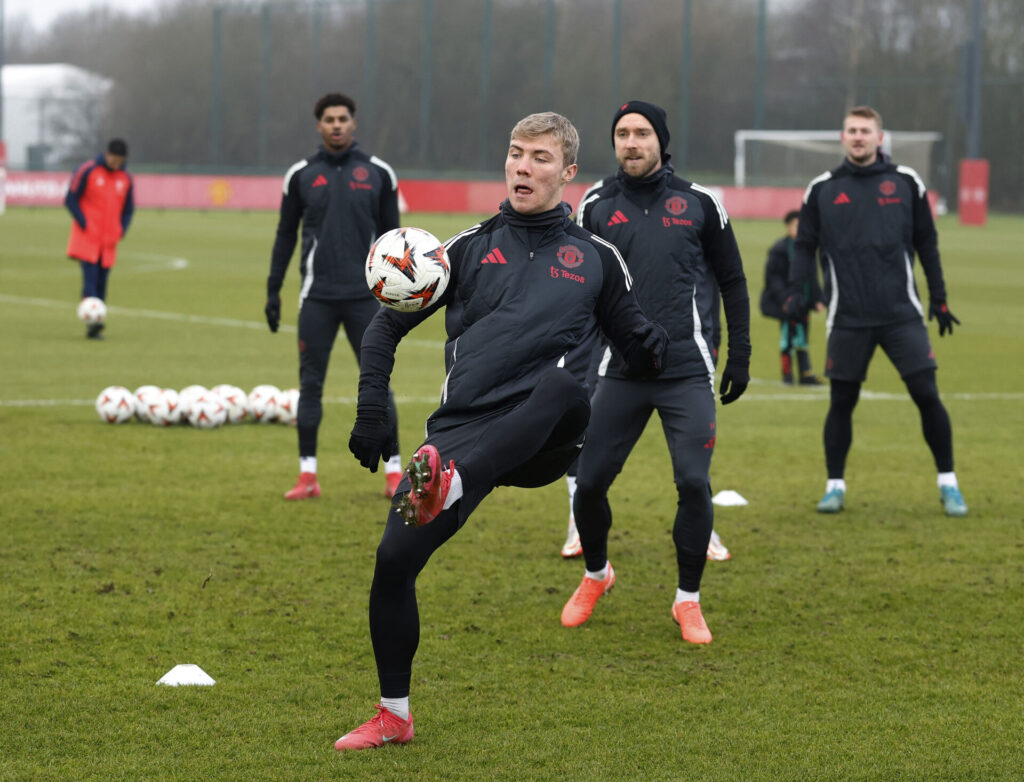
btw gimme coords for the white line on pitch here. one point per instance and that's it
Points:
(180, 317)
(876, 396)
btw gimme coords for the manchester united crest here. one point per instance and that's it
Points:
(360, 174)
(887, 187)
(570, 256)
(676, 205)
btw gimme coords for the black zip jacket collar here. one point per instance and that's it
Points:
(338, 158)
(644, 191)
(537, 226)
(883, 163)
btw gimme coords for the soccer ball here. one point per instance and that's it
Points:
(143, 395)
(92, 310)
(207, 411)
(164, 409)
(187, 397)
(115, 404)
(236, 402)
(288, 407)
(407, 269)
(263, 403)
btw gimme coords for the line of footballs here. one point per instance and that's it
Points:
(199, 406)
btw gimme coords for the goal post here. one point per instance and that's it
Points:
(792, 158)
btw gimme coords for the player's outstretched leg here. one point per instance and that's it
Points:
(383, 728)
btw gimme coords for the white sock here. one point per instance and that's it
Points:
(454, 491)
(835, 483)
(687, 597)
(394, 464)
(570, 481)
(948, 479)
(307, 464)
(397, 706)
(599, 575)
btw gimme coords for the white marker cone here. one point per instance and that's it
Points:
(728, 497)
(187, 674)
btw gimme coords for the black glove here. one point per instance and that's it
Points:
(735, 378)
(273, 312)
(939, 311)
(369, 439)
(647, 357)
(795, 306)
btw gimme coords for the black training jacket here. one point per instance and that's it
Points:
(522, 293)
(776, 281)
(677, 241)
(868, 221)
(344, 203)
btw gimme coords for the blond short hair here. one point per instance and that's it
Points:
(865, 112)
(562, 129)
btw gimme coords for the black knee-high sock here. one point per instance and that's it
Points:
(839, 425)
(691, 532)
(938, 431)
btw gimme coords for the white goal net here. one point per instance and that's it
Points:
(792, 158)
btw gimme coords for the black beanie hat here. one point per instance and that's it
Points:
(117, 146)
(654, 114)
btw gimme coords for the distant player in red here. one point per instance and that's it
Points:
(101, 203)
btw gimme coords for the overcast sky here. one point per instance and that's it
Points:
(41, 13)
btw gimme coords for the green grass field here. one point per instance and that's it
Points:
(881, 644)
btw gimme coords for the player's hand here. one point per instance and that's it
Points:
(656, 344)
(795, 306)
(735, 379)
(647, 357)
(940, 312)
(273, 312)
(369, 439)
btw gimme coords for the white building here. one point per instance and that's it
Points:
(50, 111)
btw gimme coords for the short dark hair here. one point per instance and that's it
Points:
(333, 99)
(117, 146)
(792, 214)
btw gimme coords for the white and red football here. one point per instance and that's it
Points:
(407, 269)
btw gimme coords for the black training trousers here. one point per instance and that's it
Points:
(530, 445)
(621, 409)
(319, 322)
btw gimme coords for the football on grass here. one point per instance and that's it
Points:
(92, 310)
(115, 404)
(407, 269)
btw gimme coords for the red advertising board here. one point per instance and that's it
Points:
(181, 191)
(973, 192)
(3, 176)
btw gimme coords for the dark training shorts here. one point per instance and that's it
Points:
(906, 344)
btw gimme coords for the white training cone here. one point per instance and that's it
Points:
(186, 674)
(728, 497)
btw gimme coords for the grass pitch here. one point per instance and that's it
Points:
(881, 644)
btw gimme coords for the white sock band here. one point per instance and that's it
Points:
(687, 597)
(307, 464)
(454, 491)
(599, 575)
(397, 706)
